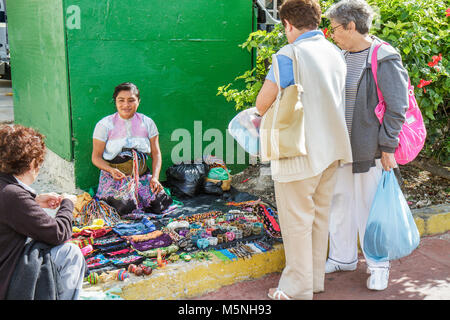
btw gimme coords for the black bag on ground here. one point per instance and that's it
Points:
(123, 207)
(161, 202)
(211, 187)
(186, 179)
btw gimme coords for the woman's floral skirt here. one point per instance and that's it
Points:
(122, 195)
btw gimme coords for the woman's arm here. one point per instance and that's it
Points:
(269, 90)
(393, 83)
(32, 221)
(156, 163)
(99, 162)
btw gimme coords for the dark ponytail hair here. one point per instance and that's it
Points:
(126, 86)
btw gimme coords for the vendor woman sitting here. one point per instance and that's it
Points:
(116, 138)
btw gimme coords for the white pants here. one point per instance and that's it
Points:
(350, 207)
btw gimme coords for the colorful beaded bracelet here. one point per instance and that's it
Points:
(202, 243)
(230, 236)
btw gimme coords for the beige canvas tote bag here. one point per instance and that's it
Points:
(282, 130)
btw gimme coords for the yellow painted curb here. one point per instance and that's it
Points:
(420, 223)
(432, 220)
(182, 280)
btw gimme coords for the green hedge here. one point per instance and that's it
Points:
(418, 29)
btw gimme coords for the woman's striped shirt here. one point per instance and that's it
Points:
(355, 65)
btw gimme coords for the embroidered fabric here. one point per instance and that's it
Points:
(97, 261)
(107, 241)
(164, 251)
(92, 233)
(127, 260)
(113, 192)
(144, 237)
(138, 228)
(162, 241)
(113, 247)
(119, 252)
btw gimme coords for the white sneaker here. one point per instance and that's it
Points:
(379, 278)
(331, 266)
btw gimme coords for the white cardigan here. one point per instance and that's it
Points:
(322, 73)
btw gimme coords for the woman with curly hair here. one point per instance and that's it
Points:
(35, 261)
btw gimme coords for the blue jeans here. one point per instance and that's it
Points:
(70, 264)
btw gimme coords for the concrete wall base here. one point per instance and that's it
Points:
(56, 175)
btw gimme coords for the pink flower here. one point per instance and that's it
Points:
(447, 12)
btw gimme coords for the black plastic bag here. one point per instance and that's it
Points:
(186, 179)
(211, 187)
(123, 207)
(161, 202)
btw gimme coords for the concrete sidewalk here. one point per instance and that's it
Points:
(423, 275)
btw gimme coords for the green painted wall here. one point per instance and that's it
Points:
(177, 53)
(39, 70)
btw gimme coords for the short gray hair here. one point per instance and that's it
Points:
(358, 11)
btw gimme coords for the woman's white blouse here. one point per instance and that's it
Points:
(118, 133)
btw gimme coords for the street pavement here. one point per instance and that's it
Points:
(423, 275)
(6, 102)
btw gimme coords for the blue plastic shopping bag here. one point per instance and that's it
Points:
(244, 128)
(391, 232)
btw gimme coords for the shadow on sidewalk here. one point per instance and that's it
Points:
(423, 275)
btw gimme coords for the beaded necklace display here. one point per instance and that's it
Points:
(264, 212)
(243, 204)
(198, 216)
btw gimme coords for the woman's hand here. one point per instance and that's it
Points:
(71, 197)
(388, 161)
(117, 174)
(99, 162)
(49, 200)
(155, 185)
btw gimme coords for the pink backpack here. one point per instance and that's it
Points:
(413, 133)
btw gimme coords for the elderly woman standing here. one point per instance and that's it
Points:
(35, 261)
(373, 145)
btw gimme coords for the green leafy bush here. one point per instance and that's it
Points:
(266, 44)
(418, 29)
